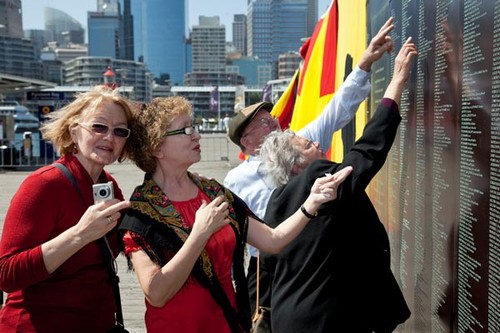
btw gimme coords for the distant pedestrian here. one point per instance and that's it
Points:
(226, 123)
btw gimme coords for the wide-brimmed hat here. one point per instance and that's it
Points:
(241, 120)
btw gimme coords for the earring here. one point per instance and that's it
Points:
(75, 150)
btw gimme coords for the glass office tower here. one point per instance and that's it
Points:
(276, 27)
(160, 37)
(64, 28)
(104, 34)
(288, 26)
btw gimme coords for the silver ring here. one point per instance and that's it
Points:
(110, 219)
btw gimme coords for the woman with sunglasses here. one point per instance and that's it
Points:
(51, 265)
(185, 235)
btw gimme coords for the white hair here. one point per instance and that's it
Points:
(279, 154)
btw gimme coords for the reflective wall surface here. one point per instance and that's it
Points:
(438, 193)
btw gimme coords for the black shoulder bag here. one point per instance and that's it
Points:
(108, 259)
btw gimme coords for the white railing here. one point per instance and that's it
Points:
(214, 148)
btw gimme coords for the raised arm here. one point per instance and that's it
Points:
(369, 153)
(402, 69)
(354, 90)
(379, 45)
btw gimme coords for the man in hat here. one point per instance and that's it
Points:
(249, 127)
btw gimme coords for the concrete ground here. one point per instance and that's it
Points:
(218, 157)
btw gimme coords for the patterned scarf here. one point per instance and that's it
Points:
(153, 216)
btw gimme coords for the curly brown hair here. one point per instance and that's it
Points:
(57, 128)
(152, 122)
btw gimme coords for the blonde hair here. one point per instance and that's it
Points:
(60, 123)
(153, 121)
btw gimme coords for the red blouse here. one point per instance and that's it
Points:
(193, 309)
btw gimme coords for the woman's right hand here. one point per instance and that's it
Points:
(99, 219)
(211, 217)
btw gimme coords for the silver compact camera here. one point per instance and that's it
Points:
(103, 192)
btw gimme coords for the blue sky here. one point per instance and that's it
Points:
(225, 9)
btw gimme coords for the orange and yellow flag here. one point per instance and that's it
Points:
(283, 108)
(317, 77)
(339, 37)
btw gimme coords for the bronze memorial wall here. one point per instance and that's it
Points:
(439, 191)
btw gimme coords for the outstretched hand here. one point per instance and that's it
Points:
(402, 70)
(379, 44)
(404, 60)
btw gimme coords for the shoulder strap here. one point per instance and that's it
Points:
(257, 294)
(105, 249)
(70, 177)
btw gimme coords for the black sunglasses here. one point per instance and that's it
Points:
(186, 130)
(121, 132)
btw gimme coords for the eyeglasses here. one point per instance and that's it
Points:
(263, 123)
(120, 132)
(186, 130)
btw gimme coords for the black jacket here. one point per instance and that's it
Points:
(336, 276)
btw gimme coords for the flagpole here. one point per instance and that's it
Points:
(218, 108)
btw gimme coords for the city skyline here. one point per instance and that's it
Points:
(33, 17)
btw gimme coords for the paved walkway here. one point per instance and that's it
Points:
(128, 176)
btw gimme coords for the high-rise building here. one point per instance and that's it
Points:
(65, 29)
(208, 40)
(126, 31)
(288, 26)
(259, 30)
(276, 27)
(110, 32)
(104, 34)
(208, 45)
(11, 21)
(240, 33)
(312, 16)
(17, 57)
(39, 37)
(209, 65)
(160, 32)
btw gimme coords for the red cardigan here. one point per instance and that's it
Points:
(78, 296)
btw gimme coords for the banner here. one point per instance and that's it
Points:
(214, 99)
(267, 93)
